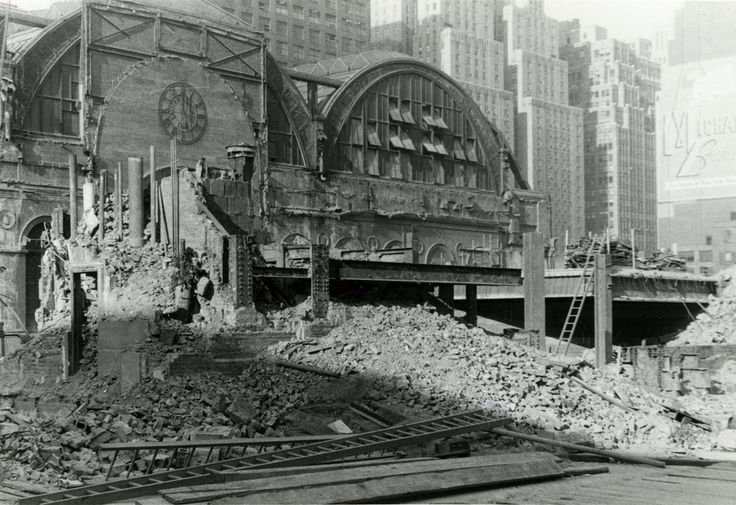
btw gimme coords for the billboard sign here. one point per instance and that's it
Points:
(696, 131)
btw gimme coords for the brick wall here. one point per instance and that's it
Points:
(130, 122)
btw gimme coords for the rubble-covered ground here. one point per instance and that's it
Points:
(717, 323)
(391, 354)
(408, 359)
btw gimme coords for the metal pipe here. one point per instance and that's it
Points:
(135, 201)
(581, 448)
(73, 218)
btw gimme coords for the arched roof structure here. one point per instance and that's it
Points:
(404, 80)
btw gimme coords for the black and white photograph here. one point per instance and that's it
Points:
(367, 251)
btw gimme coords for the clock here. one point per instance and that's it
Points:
(182, 113)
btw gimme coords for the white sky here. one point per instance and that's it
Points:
(623, 18)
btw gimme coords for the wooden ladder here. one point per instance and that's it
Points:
(319, 452)
(585, 281)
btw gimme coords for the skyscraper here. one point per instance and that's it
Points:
(458, 37)
(615, 83)
(549, 132)
(393, 23)
(304, 31)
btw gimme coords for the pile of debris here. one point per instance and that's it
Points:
(717, 323)
(60, 449)
(577, 254)
(422, 364)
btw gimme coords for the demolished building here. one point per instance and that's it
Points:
(379, 153)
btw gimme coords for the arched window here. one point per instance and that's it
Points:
(283, 146)
(408, 127)
(55, 108)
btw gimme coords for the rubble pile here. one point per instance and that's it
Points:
(143, 279)
(429, 364)
(717, 323)
(576, 255)
(61, 449)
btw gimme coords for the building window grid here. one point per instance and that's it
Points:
(55, 108)
(423, 138)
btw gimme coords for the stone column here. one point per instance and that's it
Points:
(603, 311)
(135, 201)
(534, 290)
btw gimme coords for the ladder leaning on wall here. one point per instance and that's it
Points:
(585, 281)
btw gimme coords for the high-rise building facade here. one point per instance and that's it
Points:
(457, 36)
(548, 131)
(696, 138)
(702, 31)
(615, 83)
(305, 31)
(393, 23)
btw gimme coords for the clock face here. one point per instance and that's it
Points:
(182, 113)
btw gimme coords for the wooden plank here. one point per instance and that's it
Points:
(654, 492)
(401, 487)
(706, 475)
(730, 466)
(534, 464)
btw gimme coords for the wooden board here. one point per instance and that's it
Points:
(401, 487)
(512, 465)
(624, 485)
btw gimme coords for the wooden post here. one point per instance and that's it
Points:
(135, 201)
(101, 206)
(119, 201)
(153, 194)
(73, 217)
(534, 290)
(471, 301)
(174, 199)
(603, 311)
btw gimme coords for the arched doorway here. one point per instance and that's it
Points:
(35, 249)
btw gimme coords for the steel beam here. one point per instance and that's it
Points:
(355, 270)
(603, 311)
(471, 304)
(320, 274)
(281, 272)
(241, 266)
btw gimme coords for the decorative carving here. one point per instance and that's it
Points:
(7, 219)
